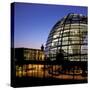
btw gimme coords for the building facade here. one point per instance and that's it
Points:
(29, 54)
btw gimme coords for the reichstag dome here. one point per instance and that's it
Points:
(69, 37)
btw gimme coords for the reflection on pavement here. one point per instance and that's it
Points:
(38, 70)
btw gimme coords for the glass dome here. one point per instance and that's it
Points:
(69, 37)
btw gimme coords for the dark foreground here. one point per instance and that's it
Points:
(29, 82)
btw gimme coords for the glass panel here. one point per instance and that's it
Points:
(65, 42)
(65, 39)
(76, 26)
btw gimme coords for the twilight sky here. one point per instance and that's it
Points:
(33, 22)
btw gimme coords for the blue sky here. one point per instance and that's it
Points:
(33, 22)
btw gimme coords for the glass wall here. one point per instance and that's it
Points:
(70, 36)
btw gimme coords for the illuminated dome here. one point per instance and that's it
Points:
(69, 37)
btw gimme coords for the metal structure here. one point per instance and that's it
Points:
(69, 37)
